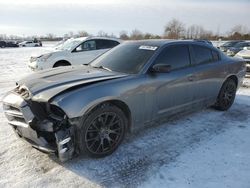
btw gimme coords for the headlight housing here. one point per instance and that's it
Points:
(45, 57)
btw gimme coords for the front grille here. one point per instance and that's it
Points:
(14, 115)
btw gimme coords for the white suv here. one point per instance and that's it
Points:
(74, 52)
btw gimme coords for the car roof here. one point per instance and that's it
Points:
(162, 42)
(93, 37)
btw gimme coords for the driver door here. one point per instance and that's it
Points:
(172, 91)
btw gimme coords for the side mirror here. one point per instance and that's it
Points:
(161, 68)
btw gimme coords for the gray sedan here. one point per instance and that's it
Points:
(90, 108)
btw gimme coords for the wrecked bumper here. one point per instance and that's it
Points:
(41, 134)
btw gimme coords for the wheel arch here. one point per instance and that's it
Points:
(61, 61)
(118, 103)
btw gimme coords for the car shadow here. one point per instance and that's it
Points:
(145, 151)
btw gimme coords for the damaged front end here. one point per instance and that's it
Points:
(44, 126)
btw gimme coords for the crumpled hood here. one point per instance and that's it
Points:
(53, 81)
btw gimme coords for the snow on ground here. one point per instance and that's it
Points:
(202, 149)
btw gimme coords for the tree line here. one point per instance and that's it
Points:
(174, 29)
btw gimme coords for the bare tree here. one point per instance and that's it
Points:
(50, 36)
(83, 33)
(239, 29)
(136, 35)
(124, 35)
(174, 29)
(102, 34)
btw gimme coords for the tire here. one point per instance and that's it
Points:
(61, 63)
(226, 96)
(102, 131)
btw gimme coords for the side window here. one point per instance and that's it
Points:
(105, 44)
(86, 46)
(202, 54)
(176, 56)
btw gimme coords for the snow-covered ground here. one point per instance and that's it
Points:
(203, 149)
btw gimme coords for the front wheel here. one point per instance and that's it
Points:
(103, 131)
(226, 96)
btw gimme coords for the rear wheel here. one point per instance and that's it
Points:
(103, 131)
(226, 96)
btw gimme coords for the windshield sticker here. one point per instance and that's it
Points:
(148, 48)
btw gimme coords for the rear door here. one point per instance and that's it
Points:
(209, 73)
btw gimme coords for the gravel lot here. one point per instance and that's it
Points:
(203, 149)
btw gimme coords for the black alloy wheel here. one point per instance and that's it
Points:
(227, 95)
(103, 131)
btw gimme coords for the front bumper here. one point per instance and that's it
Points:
(43, 134)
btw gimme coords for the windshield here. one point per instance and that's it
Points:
(69, 44)
(126, 58)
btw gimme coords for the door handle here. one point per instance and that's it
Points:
(191, 78)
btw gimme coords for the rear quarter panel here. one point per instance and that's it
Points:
(237, 67)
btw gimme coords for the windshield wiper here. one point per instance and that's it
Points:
(102, 67)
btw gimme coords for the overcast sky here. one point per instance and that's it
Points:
(39, 17)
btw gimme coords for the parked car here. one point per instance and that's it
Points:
(245, 54)
(30, 44)
(89, 109)
(74, 52)
(238, 47)
(4, 44)
(229, 44)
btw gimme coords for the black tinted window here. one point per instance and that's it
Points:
(202, 54)
(105, 44)
(176, 56)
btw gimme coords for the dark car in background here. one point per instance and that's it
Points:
(4, 44)
(90, 109)
(229, 44)
(238, 47)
